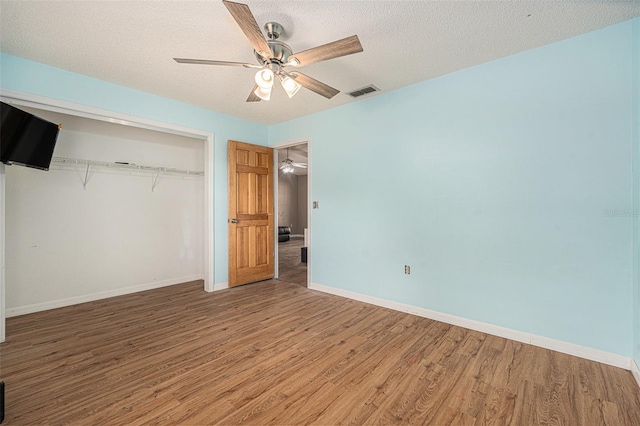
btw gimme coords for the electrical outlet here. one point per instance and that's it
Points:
(316, 205)
(407, 269)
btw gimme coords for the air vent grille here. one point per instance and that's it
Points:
(363, 91)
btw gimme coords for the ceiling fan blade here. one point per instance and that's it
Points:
(315, 85)
(253, 97)
(302, 165)
(247, 23)
(283, 166)
(208, 62)
(336, 49)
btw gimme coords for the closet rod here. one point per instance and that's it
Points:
(125, 166)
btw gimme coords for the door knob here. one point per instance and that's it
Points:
(234, 220)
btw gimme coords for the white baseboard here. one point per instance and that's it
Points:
(520, 336)
(60, 303)
(220, 286)
(635, 371)
(297, 236)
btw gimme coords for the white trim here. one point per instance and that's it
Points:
(309, 209)
(281, 145)
(220, 286)
(635, 371)
(520, 336)
(2, 268)
(276, 214)
(297, 235)
(53, 304)
(209, 216)
(79, 110)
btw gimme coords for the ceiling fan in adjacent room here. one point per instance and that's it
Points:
(274, 56)
(287, 165)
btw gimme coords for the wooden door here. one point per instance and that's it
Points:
(250, 213)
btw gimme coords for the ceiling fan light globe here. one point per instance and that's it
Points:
(264, 78)
(290, 86)
(264, 94)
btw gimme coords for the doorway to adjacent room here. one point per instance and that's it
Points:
(292, 213)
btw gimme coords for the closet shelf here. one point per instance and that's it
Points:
(126, 166)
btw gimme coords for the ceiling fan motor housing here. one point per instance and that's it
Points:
(280, 51)
(273, 30)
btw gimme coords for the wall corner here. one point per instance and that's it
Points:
(635, 143)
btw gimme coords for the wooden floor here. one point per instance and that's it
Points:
(278, 353)
(290, 266)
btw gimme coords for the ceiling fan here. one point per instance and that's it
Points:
(287, 165)
(274, 56)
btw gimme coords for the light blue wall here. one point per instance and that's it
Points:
(636, 189)
(503, 186)
(32, 77)
(496, 184)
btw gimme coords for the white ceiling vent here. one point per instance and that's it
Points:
(363, 91)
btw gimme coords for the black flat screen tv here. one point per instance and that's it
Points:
(25, 139)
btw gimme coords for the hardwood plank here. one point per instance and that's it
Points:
(278, 353)
(290, 266)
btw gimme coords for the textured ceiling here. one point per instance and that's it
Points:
(132, 43)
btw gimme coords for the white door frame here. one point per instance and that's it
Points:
(277, 146)
(78, 110)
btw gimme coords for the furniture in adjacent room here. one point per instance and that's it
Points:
(284, 233)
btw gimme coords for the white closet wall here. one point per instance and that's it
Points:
(66, 244)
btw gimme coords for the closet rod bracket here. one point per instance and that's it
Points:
(86, 178)
(155, 180)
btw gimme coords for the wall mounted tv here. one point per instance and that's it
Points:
(25, 139)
